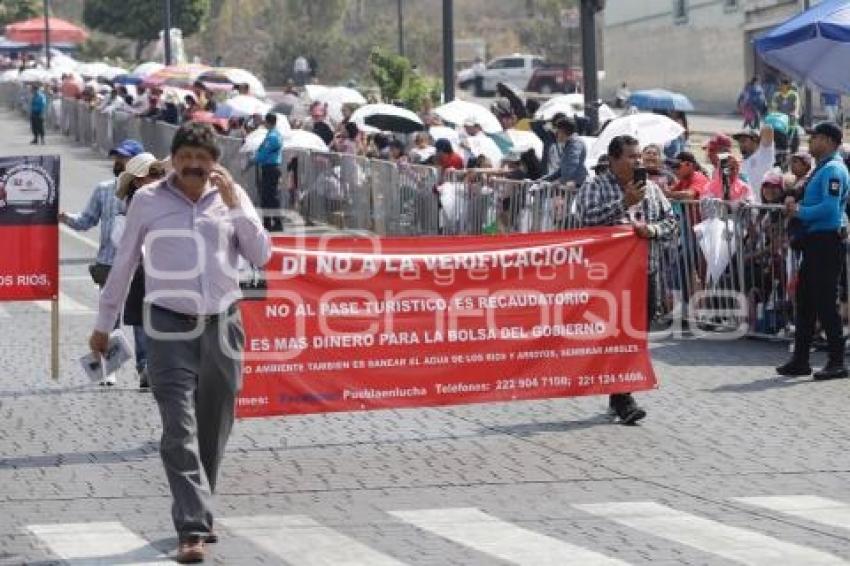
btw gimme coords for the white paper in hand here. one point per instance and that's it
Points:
(118, 351)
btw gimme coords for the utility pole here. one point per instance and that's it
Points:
(807, 93)
(400, 28)
(590, 71)
(448, 51)
(166, 37)
(47, 31)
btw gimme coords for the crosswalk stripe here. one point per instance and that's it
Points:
(301, 541)
(490, 535)
(733, 543)
(98, 543)
(809, 507)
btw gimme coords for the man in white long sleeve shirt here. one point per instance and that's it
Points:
(194, 225)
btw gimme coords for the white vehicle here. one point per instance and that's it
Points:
(515, 69)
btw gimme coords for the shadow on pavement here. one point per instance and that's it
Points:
(708, 353)
(777, 382)
(529, 429)
(141, 452)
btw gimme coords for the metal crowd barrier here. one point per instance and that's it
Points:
(728, 266)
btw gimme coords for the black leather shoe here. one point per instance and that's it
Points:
(831, 371)
(794, 368)
(627, 411)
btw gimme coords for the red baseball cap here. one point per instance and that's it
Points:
(719, 141)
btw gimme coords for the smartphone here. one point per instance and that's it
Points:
(641, 175)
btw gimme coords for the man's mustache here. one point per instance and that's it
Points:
(193, 171)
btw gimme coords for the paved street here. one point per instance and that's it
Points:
(732, 466)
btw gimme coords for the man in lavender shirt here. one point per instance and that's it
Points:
(194, 225)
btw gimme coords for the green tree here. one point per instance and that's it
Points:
(142, 20)
(12, 11)
(395, 77)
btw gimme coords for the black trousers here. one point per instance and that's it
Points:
(817, 294)
(270, 196)
(617, 399)
(37, 126)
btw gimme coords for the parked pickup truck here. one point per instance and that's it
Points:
(555, 78)
(525, 72)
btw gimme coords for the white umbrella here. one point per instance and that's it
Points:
(302, 139)
(242, 106)
(111, 72)
(716, 244)
(589, 160)
(34, 76)
(143, 70)
(254, 139)
(457, 111)
(58, 60)
(445, 133)
(92, 70)
(483, 145)
(606, 114)
(241, 76)
(571, 105)
(9, 76)
(176, 95)
(646, 128)
(340, 95)
(568, 104)
(523, 141)
(314, 91)
(234, 76)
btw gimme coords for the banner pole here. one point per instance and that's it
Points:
(54, 338)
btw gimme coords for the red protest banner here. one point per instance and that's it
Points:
(29, 200)
(352, 324)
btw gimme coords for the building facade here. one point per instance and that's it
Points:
(702, 48)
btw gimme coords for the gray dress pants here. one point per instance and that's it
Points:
(195, 381)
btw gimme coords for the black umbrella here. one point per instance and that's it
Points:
(514, 96)
(388, 118)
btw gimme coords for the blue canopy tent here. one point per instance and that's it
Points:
(813, 47)
(660, 99)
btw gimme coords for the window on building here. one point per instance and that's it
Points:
(730, 5)
(680, 11)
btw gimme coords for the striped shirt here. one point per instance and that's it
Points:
(600, 203)
(103, 207)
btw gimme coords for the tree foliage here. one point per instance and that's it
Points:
(142, 20)
(397, 80)
(12, 11)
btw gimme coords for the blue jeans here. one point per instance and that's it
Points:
(141, 342)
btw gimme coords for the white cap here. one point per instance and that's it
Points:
(136, 168)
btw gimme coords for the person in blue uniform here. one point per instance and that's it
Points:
(821, 238)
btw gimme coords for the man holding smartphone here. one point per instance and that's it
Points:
(625, 195)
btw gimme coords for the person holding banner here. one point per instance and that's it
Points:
(194, 225)
(624, 195)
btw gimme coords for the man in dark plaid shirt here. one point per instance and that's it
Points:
(615, 197)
